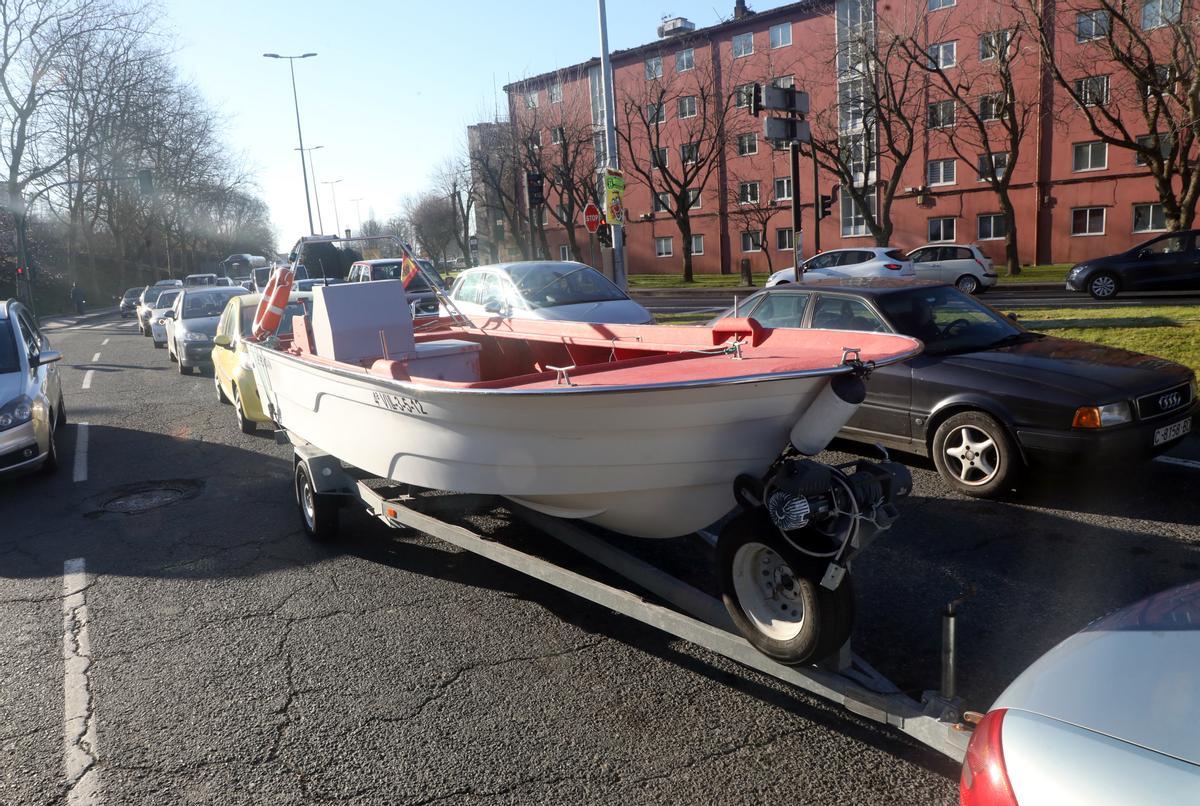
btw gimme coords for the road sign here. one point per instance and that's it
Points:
(787, 130)
(591, 217)
(614, 202)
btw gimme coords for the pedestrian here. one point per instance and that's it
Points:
(77, 298)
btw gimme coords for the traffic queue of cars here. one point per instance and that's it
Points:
(963, 265)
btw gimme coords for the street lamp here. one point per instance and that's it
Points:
(333, 192)
(313, 171)
(299, 134)
(358, 212)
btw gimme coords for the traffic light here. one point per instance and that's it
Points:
(826, 207)
(756, 99)
(145, 179)
(533, 188)
(604, 235)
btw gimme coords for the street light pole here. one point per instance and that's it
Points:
(317, 196)
(299, 133)
(337, 224)
(610, 142)
(358, 212)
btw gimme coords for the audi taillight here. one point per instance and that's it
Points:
(893, 266)
(984, 780)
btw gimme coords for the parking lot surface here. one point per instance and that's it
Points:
(172, 635)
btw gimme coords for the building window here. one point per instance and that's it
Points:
(656, 113)
(941, 229)
(1090, 156)
(662, 202)
(1157, 13)
(992, 227)
(742, 94)
(934, 5)
(941, 114)
(664, 246)
(752, 241)
(943, 54)
(993, 43)
(993, 166)
(1149, 218)
(689, 153)
(783, 239)
(685, 60)
(784, 82)
(743, 45)
(941, 172)
(557, 135)
(564, 252)
(992, 107)
(748, 193)
(531, 100)
(1147, 141)
(535, 139)
(781, 35)
(658, 158)
(747, 144)
(687, 106)
(783, 188)
(556, 93)
(1090, 25)
(697, 244)
(854, 221)
(653, 68)
(1092, 90)
(1087, 221)
(693, 199)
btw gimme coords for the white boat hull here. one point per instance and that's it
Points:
(648, 462)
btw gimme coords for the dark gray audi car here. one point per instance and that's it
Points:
(988, 398)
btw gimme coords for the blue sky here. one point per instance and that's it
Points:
(393, 88)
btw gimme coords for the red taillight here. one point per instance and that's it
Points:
(984, 780)
(893, 266)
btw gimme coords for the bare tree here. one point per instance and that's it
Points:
(432, 219)
(456, 180)
(496, 162)
(1135, 78)
(753, 214)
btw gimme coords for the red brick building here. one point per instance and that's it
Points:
(1075, 196)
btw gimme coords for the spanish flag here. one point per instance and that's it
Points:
(408, 270)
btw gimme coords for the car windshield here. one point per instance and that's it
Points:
(9, 360)
(151, 295)
(132, 293)
(166, 299)
(261, 276)
(948, 321)
(293, 309)
(547, 285)
(197, 304)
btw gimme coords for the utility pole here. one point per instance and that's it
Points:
(337, 223)
(610, 144)
(312, 170)
(358, 212)
(793, 129)
(299, 134)
(797, 223)
(818, 213)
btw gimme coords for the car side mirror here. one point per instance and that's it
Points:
(493, 306)
(168, 314)
(47, 357)
(1011, 315)
(223, 340)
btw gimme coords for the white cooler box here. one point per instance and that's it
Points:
(445, 360)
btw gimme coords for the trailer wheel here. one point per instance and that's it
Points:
(773, 593)
(318, 511)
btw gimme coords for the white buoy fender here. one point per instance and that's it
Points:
(828, 413)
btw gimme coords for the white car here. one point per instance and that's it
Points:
(545, 289)
(962, 264)
(158, 325)
(838, 264)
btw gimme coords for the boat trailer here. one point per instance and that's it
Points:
(689, 613)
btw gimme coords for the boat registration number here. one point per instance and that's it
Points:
(1172, 431)
(400, 403)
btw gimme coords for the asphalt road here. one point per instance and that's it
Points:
(213, 654)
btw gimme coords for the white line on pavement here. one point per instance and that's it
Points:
(103, 343)
(95, 358)
(80, 748)
(87, 378)
(81, 449)
(1171, 460)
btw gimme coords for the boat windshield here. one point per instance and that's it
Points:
(547, 285)
(949, 321)
(285, 324)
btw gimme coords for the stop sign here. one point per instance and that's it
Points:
(591, 217)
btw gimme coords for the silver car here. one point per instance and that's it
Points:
(192, 322)
(838, 264)
(965, 265)
(158, 324)
(31, 399)
(1110, 716)
(545, 289)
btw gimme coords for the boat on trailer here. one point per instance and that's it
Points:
(649, 431)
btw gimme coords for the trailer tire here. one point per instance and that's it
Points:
(763, 576)
(318, 511)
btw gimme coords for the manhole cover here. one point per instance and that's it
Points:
(133, 499)
(140, 502)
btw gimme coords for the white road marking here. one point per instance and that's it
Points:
(87, 378)
(103, 343)
(95, 358)
(80, 748)
(81, 449)
(1171, 460)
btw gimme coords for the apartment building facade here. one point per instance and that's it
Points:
(1075, 196)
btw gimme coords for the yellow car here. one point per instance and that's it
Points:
(233, 374)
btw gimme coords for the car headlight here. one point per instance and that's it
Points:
(193, 336)
(1102, 416)
(1078, 270)
(15, 412)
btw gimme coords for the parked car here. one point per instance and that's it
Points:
(1170, 262)
(200, 279)
(988, 398)
(964, 265)
(233, 372)
(192, 322)
(158, 324)
(262, 276)
(31, 397)
(545, 290)
(1106, 718)
(867, 261)
(146, 303)
(307, 285)
(172, 282)
(129, 301)
(416, 286)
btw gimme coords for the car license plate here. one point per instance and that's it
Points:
(1172, 431)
